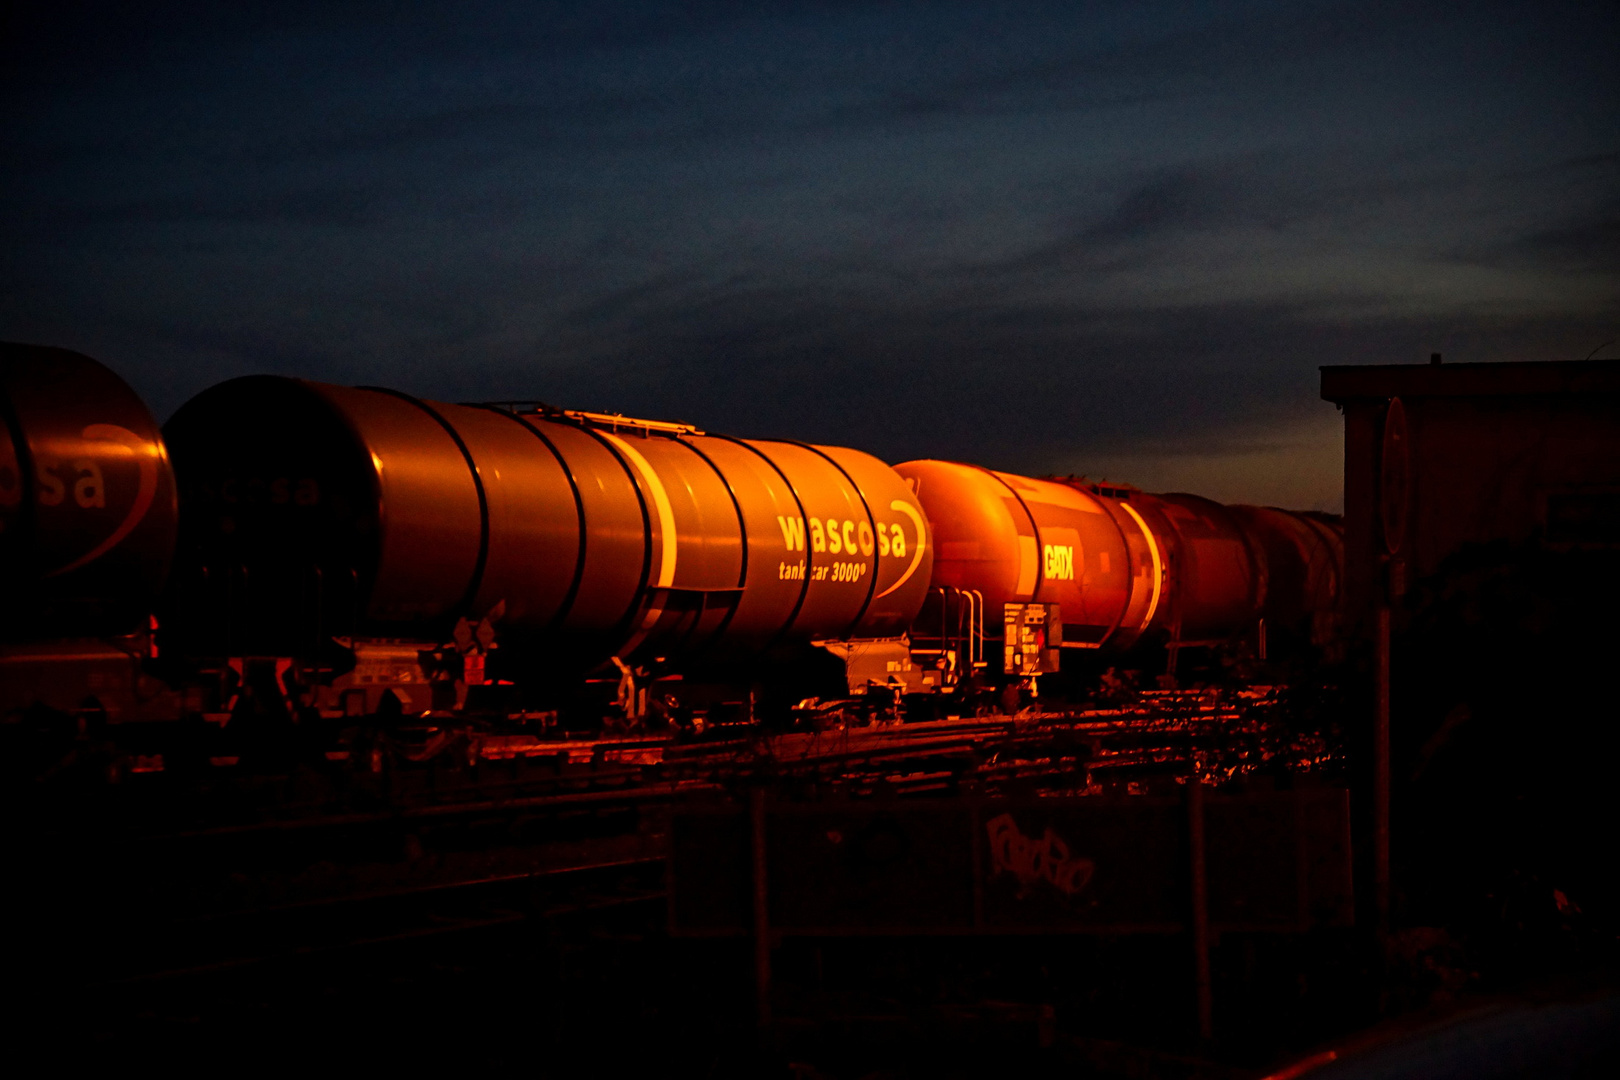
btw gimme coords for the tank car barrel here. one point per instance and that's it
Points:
(1121, 564)
(599, 535)
(87, 498)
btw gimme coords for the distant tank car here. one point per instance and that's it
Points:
(1110, 566)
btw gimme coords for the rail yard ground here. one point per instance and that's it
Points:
(514, 913)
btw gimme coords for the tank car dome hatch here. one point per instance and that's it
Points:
(87, 498)
(318, 510)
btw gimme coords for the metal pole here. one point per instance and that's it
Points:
(762, 915)
(1380, 807)
(1200, 908)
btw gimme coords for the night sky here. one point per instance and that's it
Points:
(1114, 239)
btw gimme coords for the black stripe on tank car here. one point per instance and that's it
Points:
(736, 506)
(804, 587)
(1259, 567)
(1040, 563)
(1173, 580)
(742, 531)
(634, 610)
(1325, 534)
(1259, 582)
(579, 511)
(28, 511)
(871, 523)
(477, 579)
(1113, 514)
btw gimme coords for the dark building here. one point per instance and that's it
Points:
(1482, 511)
(1498, 453)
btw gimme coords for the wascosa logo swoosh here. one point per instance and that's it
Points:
(916, 549)
(126, 444)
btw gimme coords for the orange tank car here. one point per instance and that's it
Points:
(1120, 564)
(314, 509)
(87, 498)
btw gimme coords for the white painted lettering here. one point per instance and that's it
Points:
(51, 488)
(792, 532)
(90, 489)
(1058, 562)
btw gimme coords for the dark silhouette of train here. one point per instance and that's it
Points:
(290, 554)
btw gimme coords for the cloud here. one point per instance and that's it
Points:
(1585, 244)
(1024, 234)
(335, 207)
(1293, 462)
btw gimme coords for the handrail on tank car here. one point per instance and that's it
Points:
(615, 421)
(1105, 488)
(969, 625)
(612, 421)
(977, 632)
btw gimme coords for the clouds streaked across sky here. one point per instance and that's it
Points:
(1105, 238)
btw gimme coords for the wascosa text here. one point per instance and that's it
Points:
(843, 537)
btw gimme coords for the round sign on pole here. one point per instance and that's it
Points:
(1394, 477)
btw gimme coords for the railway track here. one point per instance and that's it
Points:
(433, 854)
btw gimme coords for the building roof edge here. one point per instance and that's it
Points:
(1549, 377)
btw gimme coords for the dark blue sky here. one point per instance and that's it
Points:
(1105, 238)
